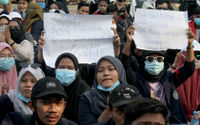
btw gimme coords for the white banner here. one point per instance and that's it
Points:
(88, 37)
(160, 29)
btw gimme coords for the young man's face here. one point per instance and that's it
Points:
(121, 5)
(102, 6)
(163, 6)
(84, 10)
(150, 119)
(50, 110)
(118, 115)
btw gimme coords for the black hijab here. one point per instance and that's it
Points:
(74, 90)
(17, 34)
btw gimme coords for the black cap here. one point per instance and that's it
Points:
(47, 86)
(123, 94)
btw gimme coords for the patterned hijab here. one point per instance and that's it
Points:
(33, 13)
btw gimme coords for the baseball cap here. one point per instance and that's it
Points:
(123, 94)
(6, 16)
(14, 15)
(47, 86)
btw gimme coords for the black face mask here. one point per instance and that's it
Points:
(121, 13)
(16, 35)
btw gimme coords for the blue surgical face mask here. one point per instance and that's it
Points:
(6, 64)
(22, 98)
(4, 2)
(154, 68)
(197, 21)
(42, 4)
(110, 88)
(66, 77)
(2, 28)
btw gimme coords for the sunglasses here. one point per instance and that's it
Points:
(25, 65)
(152, 58)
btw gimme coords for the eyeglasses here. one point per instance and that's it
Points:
(25, 65)
(152, 58)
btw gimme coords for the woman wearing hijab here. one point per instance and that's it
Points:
(22, 47)
(17, 100)
(155, 81)
(34, 20)
(8, 73)
(108, 75)
(67, 72)
(57, 5)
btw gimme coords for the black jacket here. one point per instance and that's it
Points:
(5, 106)
(92, 104)
(109, 122)
(73, 92)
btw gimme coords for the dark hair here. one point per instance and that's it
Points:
(196, 10)
(159, 2)
(103, 0)
(25, 0)
(70, 56)
(112, 7)
(142, 106)
(83, 4)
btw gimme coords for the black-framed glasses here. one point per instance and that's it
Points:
(152, 58)
(25, 65)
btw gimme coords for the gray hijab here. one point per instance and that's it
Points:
(19, 105)
(118, 65)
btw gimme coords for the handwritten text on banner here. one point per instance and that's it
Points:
(160, 29)
(88, 37)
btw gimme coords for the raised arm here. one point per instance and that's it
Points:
(127, 47)
(188, 68)
(41, 43)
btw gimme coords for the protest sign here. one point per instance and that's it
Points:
(88, 37)
(160, 29)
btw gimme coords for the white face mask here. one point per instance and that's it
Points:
(56, 11)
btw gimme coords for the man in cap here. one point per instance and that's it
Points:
(118, 99)
(48, 102)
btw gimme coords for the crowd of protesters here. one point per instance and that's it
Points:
(134, 87)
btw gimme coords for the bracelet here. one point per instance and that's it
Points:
(190, 47)
(12, 44)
